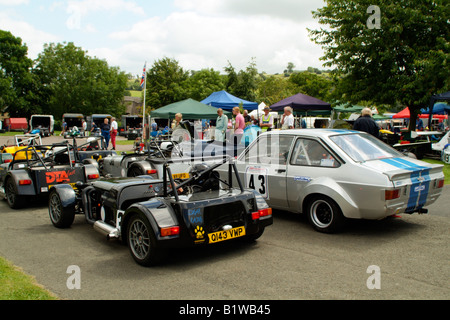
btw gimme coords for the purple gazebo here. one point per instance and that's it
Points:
(303, 104)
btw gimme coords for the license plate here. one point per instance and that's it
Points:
(181, 176)
(226, 235)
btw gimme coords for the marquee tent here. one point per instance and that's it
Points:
(226, 101)
(439, 97)
(190, 109)
(405, 114)
(303, 104)
(439, 108)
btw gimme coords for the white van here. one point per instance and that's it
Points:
(43, 123)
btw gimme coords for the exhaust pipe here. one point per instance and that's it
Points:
(107, 230)
(423, 211)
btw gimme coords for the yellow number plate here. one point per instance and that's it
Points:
(181, 176)
(226, 235)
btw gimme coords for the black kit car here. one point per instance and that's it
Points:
(34, 169)
(152, 215)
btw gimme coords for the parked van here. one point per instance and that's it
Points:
(98, 119)
(131, 126)
(42, 125)
(73, 120)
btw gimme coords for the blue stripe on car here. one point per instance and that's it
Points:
(420, 179)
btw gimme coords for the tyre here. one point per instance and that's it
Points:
(61, 217)
(142, 242)
(15, 201)
(253, 237)
(134, 172)
(324, 214)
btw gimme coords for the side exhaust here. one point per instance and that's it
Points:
(107, 230)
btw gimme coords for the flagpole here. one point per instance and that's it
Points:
(145, 93)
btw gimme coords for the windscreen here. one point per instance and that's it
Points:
(364, 147)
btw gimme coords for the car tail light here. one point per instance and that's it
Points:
(93, 176)
(7, 161)
(392, 194)
(172, 231)
(24, 182)
(261, 213)
(152, 171)
(440, 184)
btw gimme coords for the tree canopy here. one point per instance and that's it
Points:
(394, 53)
(78, 83)
(16, 81)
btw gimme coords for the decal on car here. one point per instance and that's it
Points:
(256, 178)
(199, 235)
(420, 179)
(303, 179)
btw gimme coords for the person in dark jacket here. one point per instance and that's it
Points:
(106, 128)
(367, 124)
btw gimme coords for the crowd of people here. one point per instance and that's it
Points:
(107, 130)
(226, 127)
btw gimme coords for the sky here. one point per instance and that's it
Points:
(197, 33)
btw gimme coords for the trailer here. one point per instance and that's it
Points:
(42, 124)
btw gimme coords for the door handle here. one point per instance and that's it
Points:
(281, 170)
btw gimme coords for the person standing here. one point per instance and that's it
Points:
(221, 126)
(366, 123)
(114, 131)
(64, 128)
(266, 121)
(106, 128)
(239, 124)
(176, 124)
(84, 127)
(247, 118)
(287, 121)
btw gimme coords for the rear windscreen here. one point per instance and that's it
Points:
(40, 121)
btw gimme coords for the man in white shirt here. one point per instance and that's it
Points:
(114, 131)
(84, 128)
(287, 121)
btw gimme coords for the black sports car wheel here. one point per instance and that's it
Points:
(142, 241)
(61, 217)
(14, 200)
(324, 214)
(134, 172)
(253, 237)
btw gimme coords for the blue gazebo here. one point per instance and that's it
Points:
(227, 102)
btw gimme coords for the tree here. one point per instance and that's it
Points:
(275, 89)
(245, 83)
(77, 83)
(203, 83)
(396, 52)
(166, 83)
(289, 69)
(314, 85)
(16, 80)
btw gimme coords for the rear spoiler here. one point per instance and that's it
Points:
(404, 174)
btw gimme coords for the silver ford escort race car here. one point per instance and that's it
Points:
(335, 174)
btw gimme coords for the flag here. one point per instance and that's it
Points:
(143, 77)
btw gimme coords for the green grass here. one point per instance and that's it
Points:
(446, 169)
(125, 142)
(16, 285)
(10, 134)
(136, 94)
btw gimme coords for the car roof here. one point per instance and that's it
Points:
(313, 132)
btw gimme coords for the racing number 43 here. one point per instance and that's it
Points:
(262, 184)
(256, 179)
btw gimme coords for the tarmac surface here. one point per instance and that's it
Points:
(289, 262)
